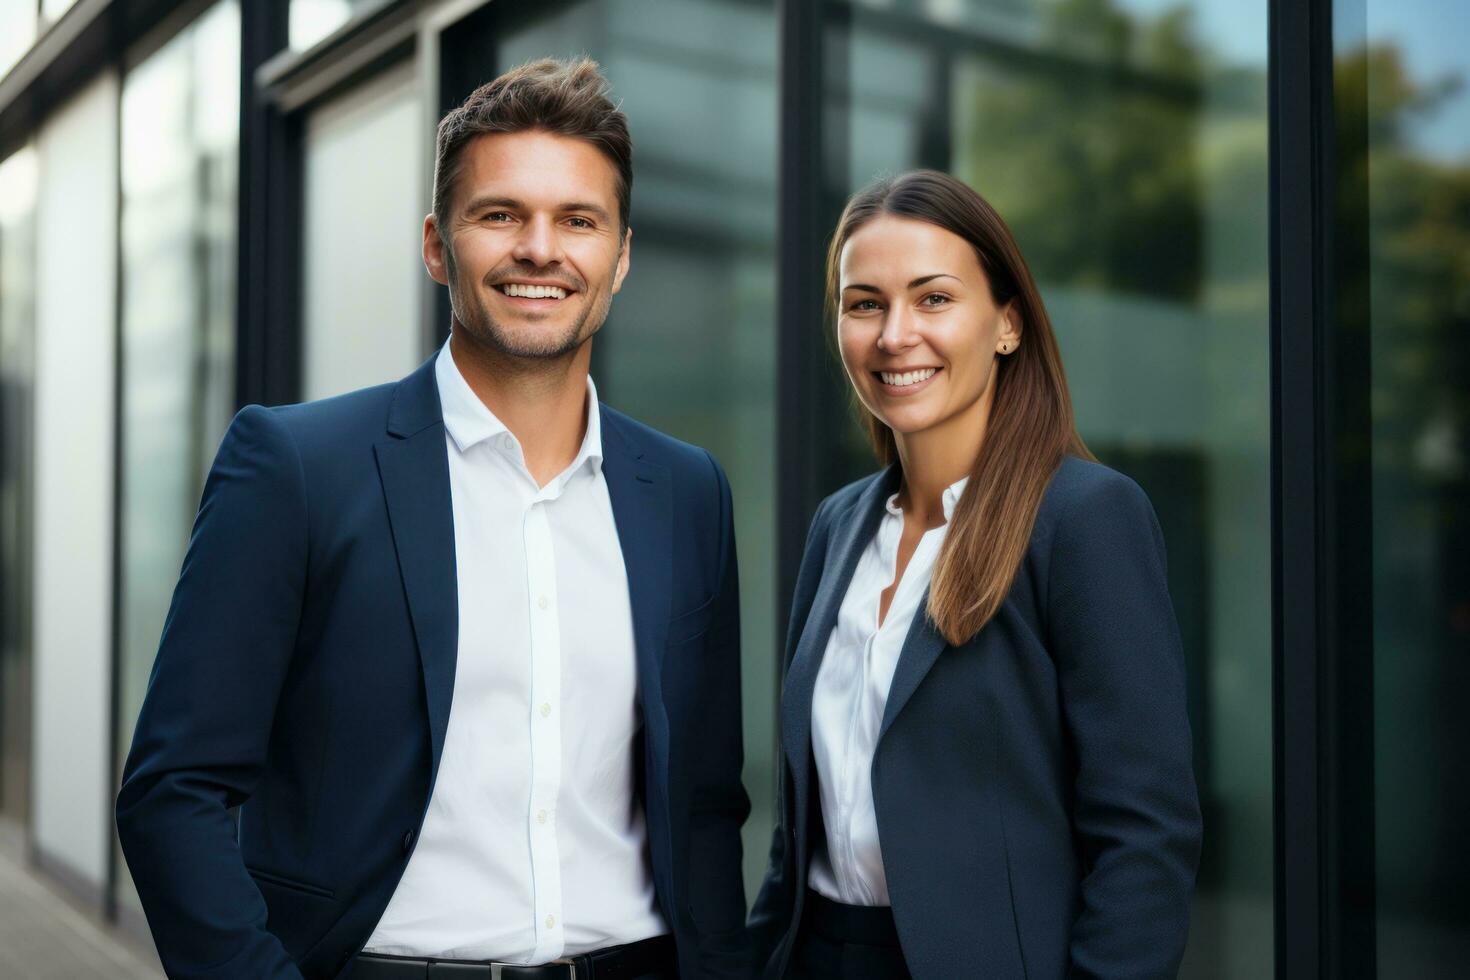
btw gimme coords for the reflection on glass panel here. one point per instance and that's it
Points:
(363, 273)
(17, 377)
(180, 122)
(17, 31)
(312, 20)
(1416, 181)
(1125, 141)
(690, 344)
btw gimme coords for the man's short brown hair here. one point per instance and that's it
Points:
(569, 98)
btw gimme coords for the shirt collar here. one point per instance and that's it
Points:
(952, 494)
(469, 422)
(949, 499)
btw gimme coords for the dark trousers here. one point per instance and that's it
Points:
(846, 942)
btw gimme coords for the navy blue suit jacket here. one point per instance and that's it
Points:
(305, 674)
(1034, 788)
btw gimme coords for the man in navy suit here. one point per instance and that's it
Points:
(463, 649)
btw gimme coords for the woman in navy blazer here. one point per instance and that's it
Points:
(986, 759)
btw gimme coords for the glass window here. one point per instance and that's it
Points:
(312, 20)
(689, 346)
(1413, 172)
(363, 277)
(180, 140)
(17, 377)
(1125, 142)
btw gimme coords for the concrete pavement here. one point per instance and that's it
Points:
(45, 936)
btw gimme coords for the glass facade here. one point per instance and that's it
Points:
(18, 175)
(1412, 171)
(1125, 141)
(180, 126)
(1126, 145)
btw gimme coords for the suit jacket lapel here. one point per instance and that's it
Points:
(642, 503)
(413, 464)
(854, 529)
(921, 648)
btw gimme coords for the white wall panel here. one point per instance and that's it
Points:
(74, 410)
(365, 200)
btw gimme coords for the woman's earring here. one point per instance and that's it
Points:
(1005, 348)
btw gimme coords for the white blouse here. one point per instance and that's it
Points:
(848, 702)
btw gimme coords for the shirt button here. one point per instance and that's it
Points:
(541, 816)
(546, 710)
(551, 922)
(542, 602)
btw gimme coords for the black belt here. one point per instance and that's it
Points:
(836, 922)
(628, 962)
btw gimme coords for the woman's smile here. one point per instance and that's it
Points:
(906, 383)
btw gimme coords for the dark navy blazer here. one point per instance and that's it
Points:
(306, 669)
(1034, 788)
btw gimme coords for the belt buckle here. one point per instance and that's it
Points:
(497, 970)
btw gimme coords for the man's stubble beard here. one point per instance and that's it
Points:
(472, 313)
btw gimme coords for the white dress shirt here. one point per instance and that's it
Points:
(534, 846)
(848, 702)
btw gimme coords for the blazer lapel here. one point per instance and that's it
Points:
(413, 464)
(642, 503)
(853, 530)
(921, 648)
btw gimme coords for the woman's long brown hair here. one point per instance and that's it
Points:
(1031, 426)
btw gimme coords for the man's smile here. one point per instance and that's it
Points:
(532, 296)
(533, 290)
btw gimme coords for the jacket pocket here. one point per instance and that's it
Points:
(290, 884)
(298, 913)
